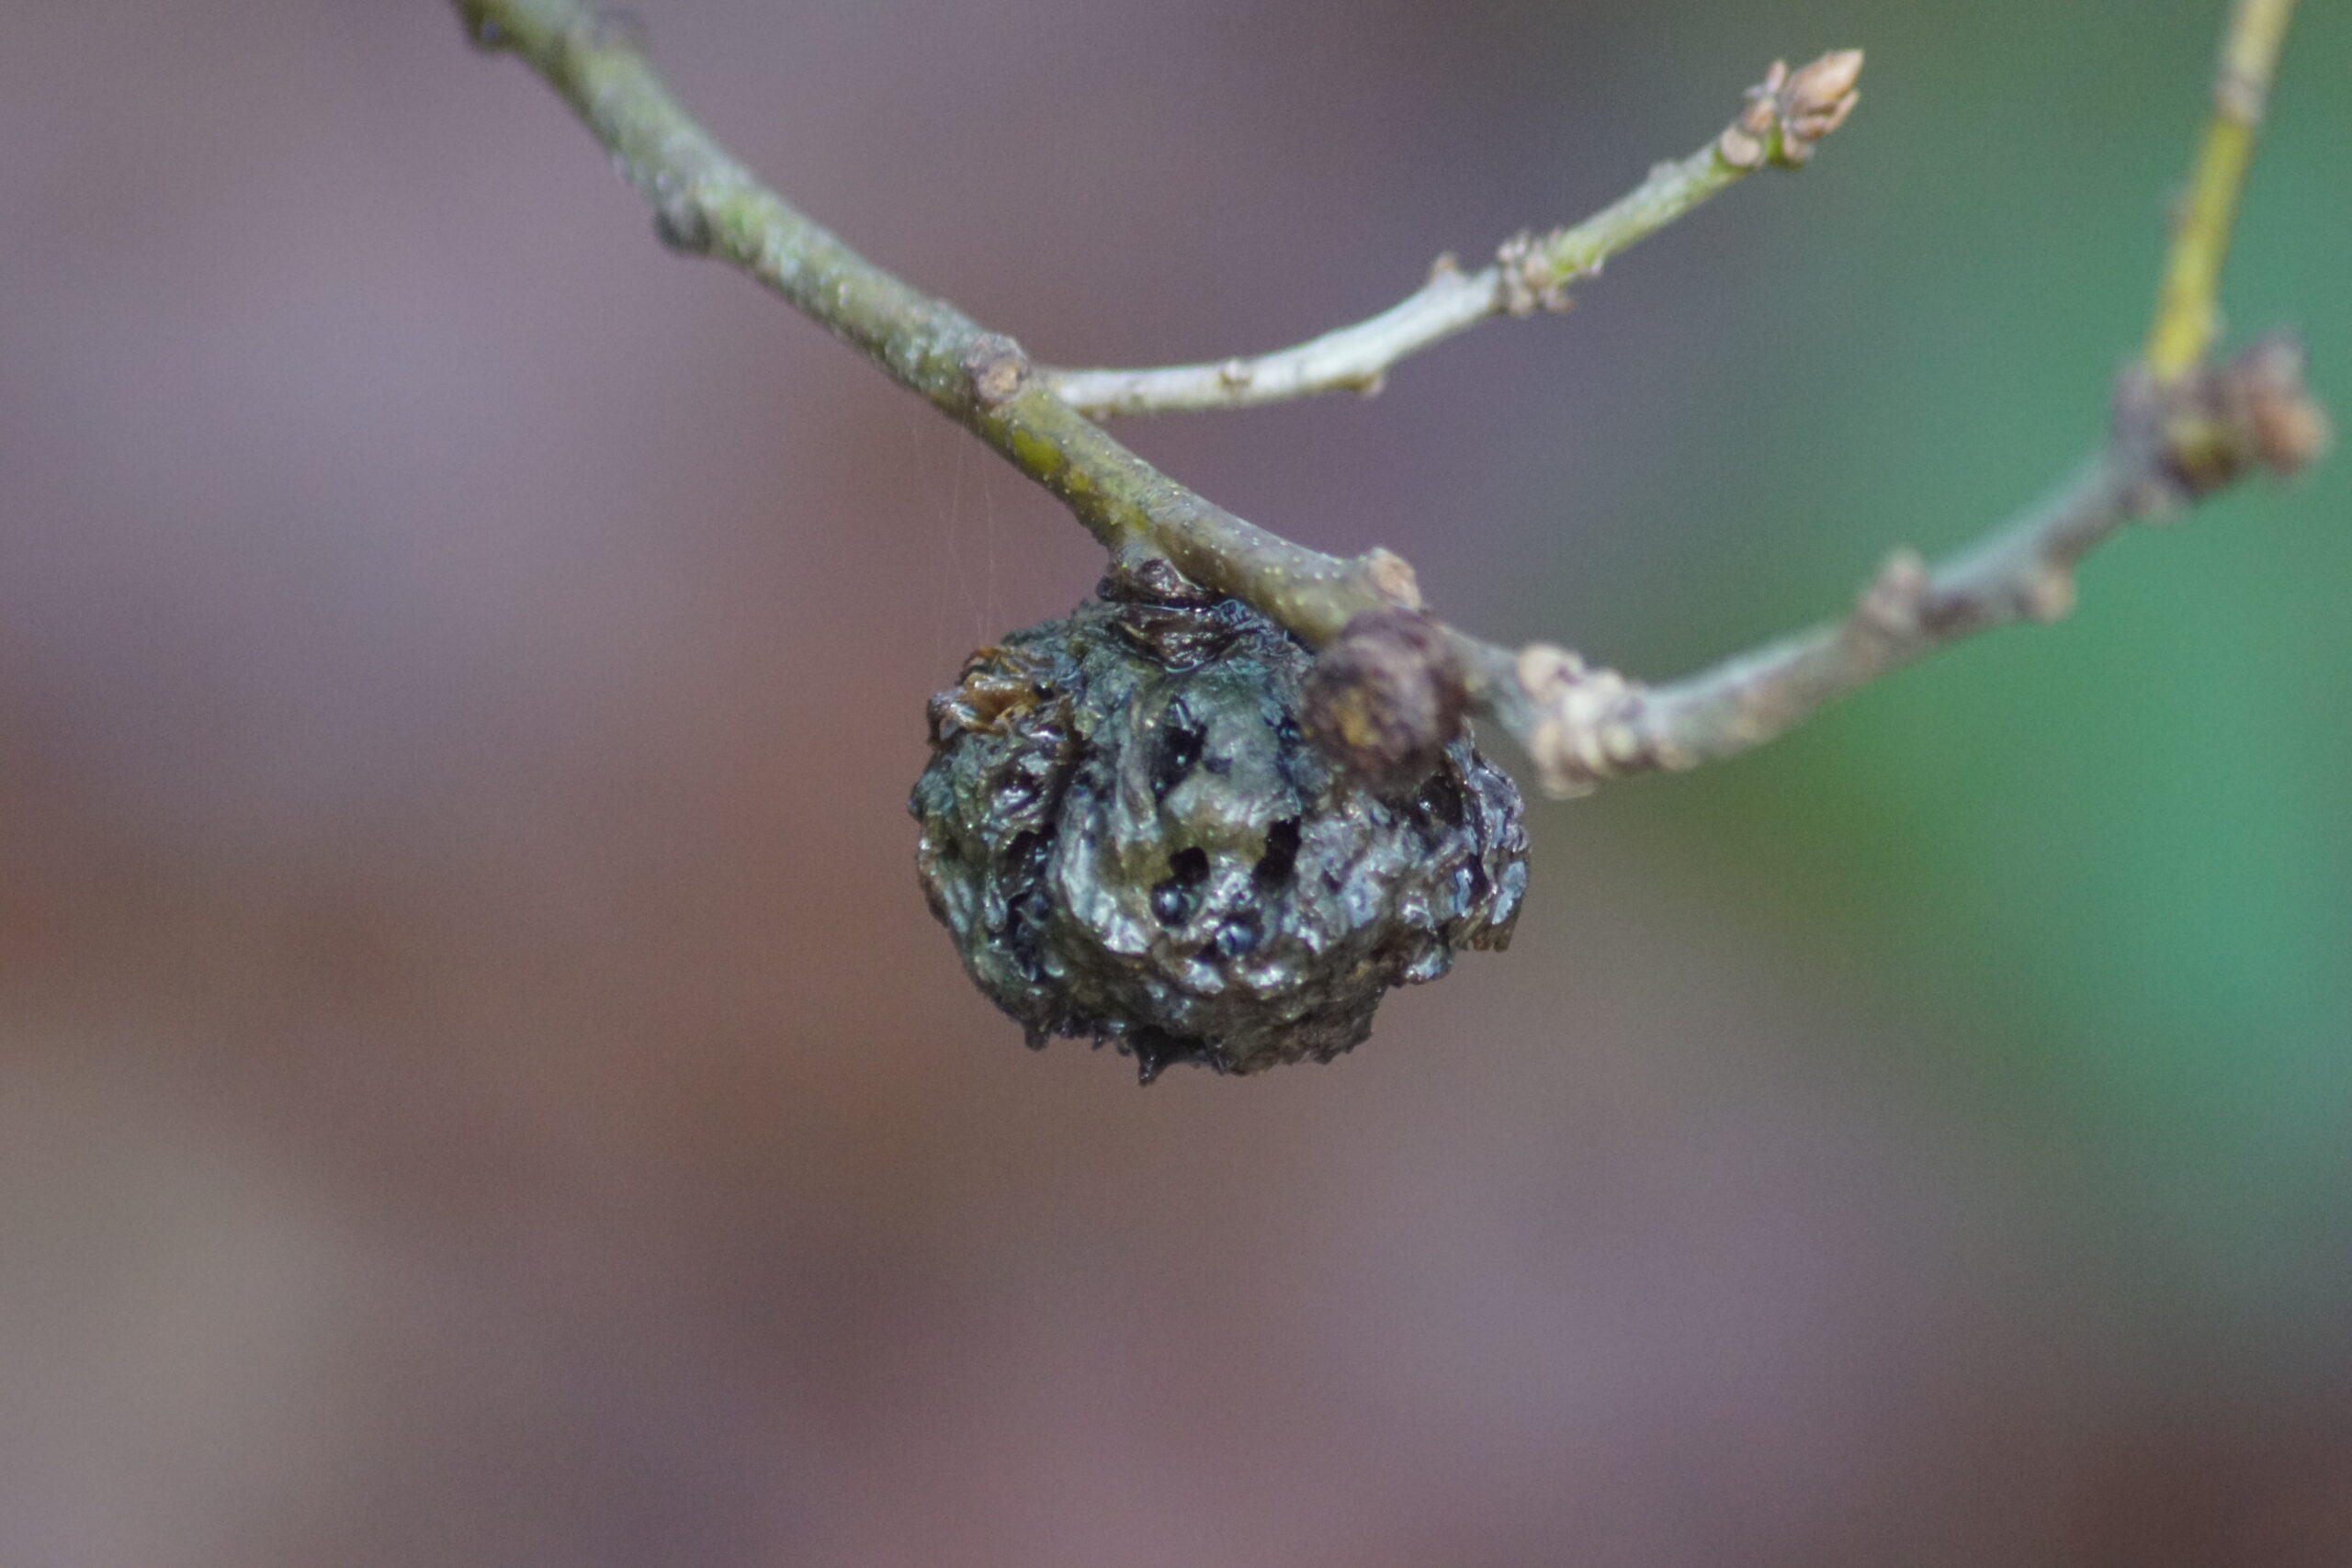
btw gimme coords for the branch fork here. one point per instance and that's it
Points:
(1780, 121)
(2168, 445)
(1393, 681)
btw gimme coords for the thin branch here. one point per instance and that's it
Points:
(1785, 115)
(2180, 429)
(2169, 446)
(2187, 315)
(705, 203)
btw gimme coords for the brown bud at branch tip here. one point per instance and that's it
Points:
(1789, 111)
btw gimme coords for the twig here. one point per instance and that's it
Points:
(2187, 319)
(705, 203)
(1784, 117)
(2168, 447)
(2182, 426)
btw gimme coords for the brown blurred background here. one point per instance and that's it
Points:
(478, 1082)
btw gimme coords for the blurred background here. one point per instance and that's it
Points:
(479, 1082)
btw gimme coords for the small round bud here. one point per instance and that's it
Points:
(1384, 698)
(996, 368)
(2275, 420)
(2218, 421)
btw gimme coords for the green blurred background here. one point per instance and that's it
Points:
(2118, 856)
(2114, 860)
(478, 1082)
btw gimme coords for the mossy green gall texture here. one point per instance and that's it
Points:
(1130, 840)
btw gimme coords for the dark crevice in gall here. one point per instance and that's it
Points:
(1180, 740)
(1174, 899)
(1156, 1051)
(1280, 861)
(1028, 907)
(1441, 801)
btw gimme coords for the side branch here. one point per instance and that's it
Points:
(2182, 427)
(2169, 446)
(2187, 318)
(705, 203)
(1784, 118)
